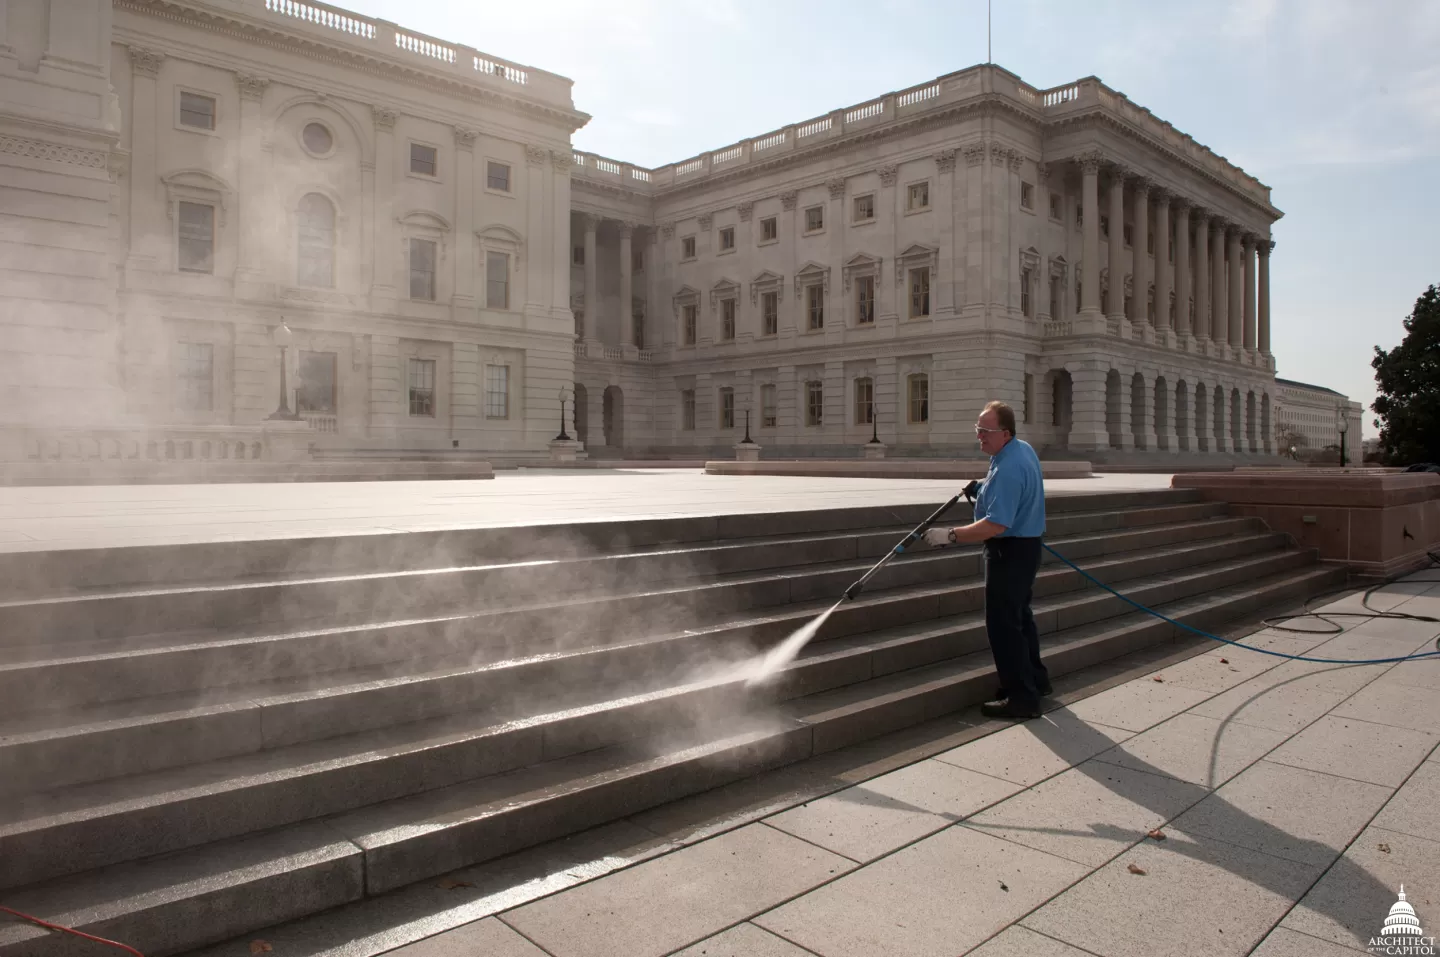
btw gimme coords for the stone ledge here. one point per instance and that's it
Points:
(885, 468)
(185, 473)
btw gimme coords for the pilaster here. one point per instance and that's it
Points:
(250, 263)
(384, 248)
(465, 263)
(148, 226)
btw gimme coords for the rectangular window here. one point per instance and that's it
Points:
(1056, 209)
(917, 196)
(196, 238)
(769, 229)
(1027, 196)
(422, 159)
(919, 399)
(814, 404)
(687, 410)
(578, 258)
(315, 390)
(497, 176)
(864, 208)
(1025, 298)
(864, 299)
(769, 416)
(815, 305)
(770, 313)
(422, 269)
(197, 111)
(727, 408)
(864, 401)
(497, 392)
(687, 314)
(920, 292)
(814, 219)
(727, 238)
(197, 377)
(687, 248)
(497, 281)
(422, 388)
(727, 319)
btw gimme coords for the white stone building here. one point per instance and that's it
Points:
(181, 180)
(1314, 413)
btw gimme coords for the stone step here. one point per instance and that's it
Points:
(190, 898)
(279, 783)
(61, 675)
(60, 572)
(101, 614)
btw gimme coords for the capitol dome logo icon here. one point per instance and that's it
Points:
(1401, 933)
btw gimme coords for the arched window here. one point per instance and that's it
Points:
(315, 258)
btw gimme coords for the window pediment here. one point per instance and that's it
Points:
(424, 219)
(685, 296)
(916, 255)
(724, 289)
(862, 264)
(1030, 258)
(196, 185)
(767, 281)
(811, 274)
(1058, 267)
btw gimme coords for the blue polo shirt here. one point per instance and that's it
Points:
(1013, 493)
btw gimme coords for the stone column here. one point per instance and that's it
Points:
(627, 291)
(888, 295)
(1090, 255)
(1181, 272)
(592, 294)
(1164, 271)
(1115, 307)
(561, 162)
(1249, 252)
(383, 248)
(1266, 246)
(1140, 256)
(463, 291)
(148, 232)
(1235, 282)
(1088, 430)
(943, 285)
(1201, 277)
(1219, 298)
(250, 261)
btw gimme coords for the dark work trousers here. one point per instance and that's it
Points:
(1010, 567)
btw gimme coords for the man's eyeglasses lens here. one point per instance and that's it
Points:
(979, 430)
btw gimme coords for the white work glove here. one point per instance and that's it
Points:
(937, 537)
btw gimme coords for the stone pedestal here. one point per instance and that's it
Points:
(747, 452)
(563, 450)
(875, 450)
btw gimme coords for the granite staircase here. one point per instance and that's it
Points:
(200, 741)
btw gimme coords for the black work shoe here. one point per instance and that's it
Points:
(1045, 691)
(1009, 708)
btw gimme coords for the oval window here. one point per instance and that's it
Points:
(317, 138)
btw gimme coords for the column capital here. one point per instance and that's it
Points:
(1249, 240)
(383, 116)
(1141, 185)
(627, 228)
(999, 153)
(704, 220)
(465, 139)
(145, 62)
(562, 160)
(1265, 247)
(251, 87)
(746, 210)
(888, 173)
(1090, 161)
(1120, 174)
(667, 230)
(1199, 213)
(836, 187)
(789, 198)
(1042, 173)
(535, 155)
(945, 161)
(974, 153)
(588, 221)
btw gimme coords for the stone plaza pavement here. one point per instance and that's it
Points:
(1219, 803)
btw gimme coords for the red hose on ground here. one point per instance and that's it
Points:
(78, 933)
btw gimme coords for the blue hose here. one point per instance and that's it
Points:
(1419, 655)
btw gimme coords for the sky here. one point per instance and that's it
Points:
(1334, 104)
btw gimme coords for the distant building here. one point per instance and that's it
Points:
(1314, 412)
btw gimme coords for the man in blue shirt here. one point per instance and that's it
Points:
(1010, 521)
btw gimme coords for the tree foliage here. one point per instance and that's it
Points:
(1408, 377)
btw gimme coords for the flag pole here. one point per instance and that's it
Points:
(989, 56)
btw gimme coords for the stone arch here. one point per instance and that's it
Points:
(613, 416)
(1062, 405)
(1220, 403)
(362, 138)
(1163, 434)
(1203, 442)
(580, 411)
(1139, 428)
(1183, 438)
(1237, 421)
(1252, 416)
(1113, 400)
(1267, 428)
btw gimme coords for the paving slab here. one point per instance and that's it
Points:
(1386, 705)
(676, 900)
(1284, 942)
(1090, 813)
(1349, 904)
(868, 820)
(1302, 816)
(1218, 671)
(1031, 752)
(1137, 705)
(1017, 941)
(489, 937)
(943, 895)
(743, 940)
(1279, 704)
(1422, 674)
(1190, 747)
(1357, 749)
(1412, 808)
(1199, 896)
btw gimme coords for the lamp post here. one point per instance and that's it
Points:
(747, 440)
(1344, 427)
(282, 337)
(874, 424)
(563, 437)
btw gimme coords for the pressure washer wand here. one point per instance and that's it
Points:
(905, 543)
